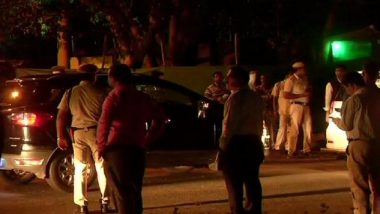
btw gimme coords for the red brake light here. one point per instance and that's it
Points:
(30, 119)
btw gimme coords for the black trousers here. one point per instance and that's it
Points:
(240, 164)
(124, 167)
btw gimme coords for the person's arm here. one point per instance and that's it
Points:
(104, 123)
(208, 93)
(62, 122)
(229, 121)
(349, 109)
(158, 120)
(288, 91)
(290, 95)
(328, 97)
(275, 95)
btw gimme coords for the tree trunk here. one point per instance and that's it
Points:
(63, 56)
(120, 32)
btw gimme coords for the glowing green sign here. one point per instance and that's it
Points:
(349, 50)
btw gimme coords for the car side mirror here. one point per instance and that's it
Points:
(203, 106)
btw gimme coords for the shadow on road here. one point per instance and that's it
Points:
(285, 195)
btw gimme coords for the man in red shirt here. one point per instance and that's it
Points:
(130, 121)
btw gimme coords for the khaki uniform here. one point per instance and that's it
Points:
(85, 106)
(360, 120)
(283, 111)
(299, 112)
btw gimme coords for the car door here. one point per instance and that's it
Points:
(187, 139)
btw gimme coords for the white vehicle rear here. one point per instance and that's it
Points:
(336, 137)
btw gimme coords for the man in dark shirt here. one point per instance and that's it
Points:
(335, 90)
(7, 72)
(130, 121)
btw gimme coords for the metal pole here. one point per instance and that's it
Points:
(104, 51)
(162, 52)
(236, 48)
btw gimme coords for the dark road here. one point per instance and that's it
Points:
(290, 187)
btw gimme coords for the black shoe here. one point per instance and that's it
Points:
(104, 208)
(306, 154)
(81, 209)
(289, 156)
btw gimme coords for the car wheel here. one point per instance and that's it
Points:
(16, 176)
(61, 172)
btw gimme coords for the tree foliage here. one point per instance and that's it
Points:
(176, 28)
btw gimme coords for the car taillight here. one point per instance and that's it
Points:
(15, 94)
(30, 119)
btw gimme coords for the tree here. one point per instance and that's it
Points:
(154, 32)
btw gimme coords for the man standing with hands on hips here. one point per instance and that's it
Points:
(298, 91)
(84, 103)
(130, 121)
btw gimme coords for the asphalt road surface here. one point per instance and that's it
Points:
(302, 186)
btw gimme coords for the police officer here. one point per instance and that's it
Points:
(84, 103)
(281, 112)
(297, 91)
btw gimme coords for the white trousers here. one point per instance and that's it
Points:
(85, 148)
(299, 117)
(282, 132)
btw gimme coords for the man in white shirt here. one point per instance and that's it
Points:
(241, 148)
(297, 90)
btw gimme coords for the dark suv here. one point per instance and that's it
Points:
(30, 106)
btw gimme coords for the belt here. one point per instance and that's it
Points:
(299, 103)
(84, 128)
(358, 139)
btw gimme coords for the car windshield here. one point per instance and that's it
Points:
(15, 94)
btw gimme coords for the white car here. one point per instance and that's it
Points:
(336, 137)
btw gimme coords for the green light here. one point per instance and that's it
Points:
(339, 49)
(349, 50)
(336, 46)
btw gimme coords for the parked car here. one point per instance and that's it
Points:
(30, 107)
(337, 138)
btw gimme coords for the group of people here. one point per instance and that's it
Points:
(246, 106)
(286, 106)
(111, 128)
(241, 151)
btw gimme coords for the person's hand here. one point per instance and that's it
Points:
(327, 117)
(307, 94)
(63, 143)
(100, 154)
(148, 139)
(335, 120)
